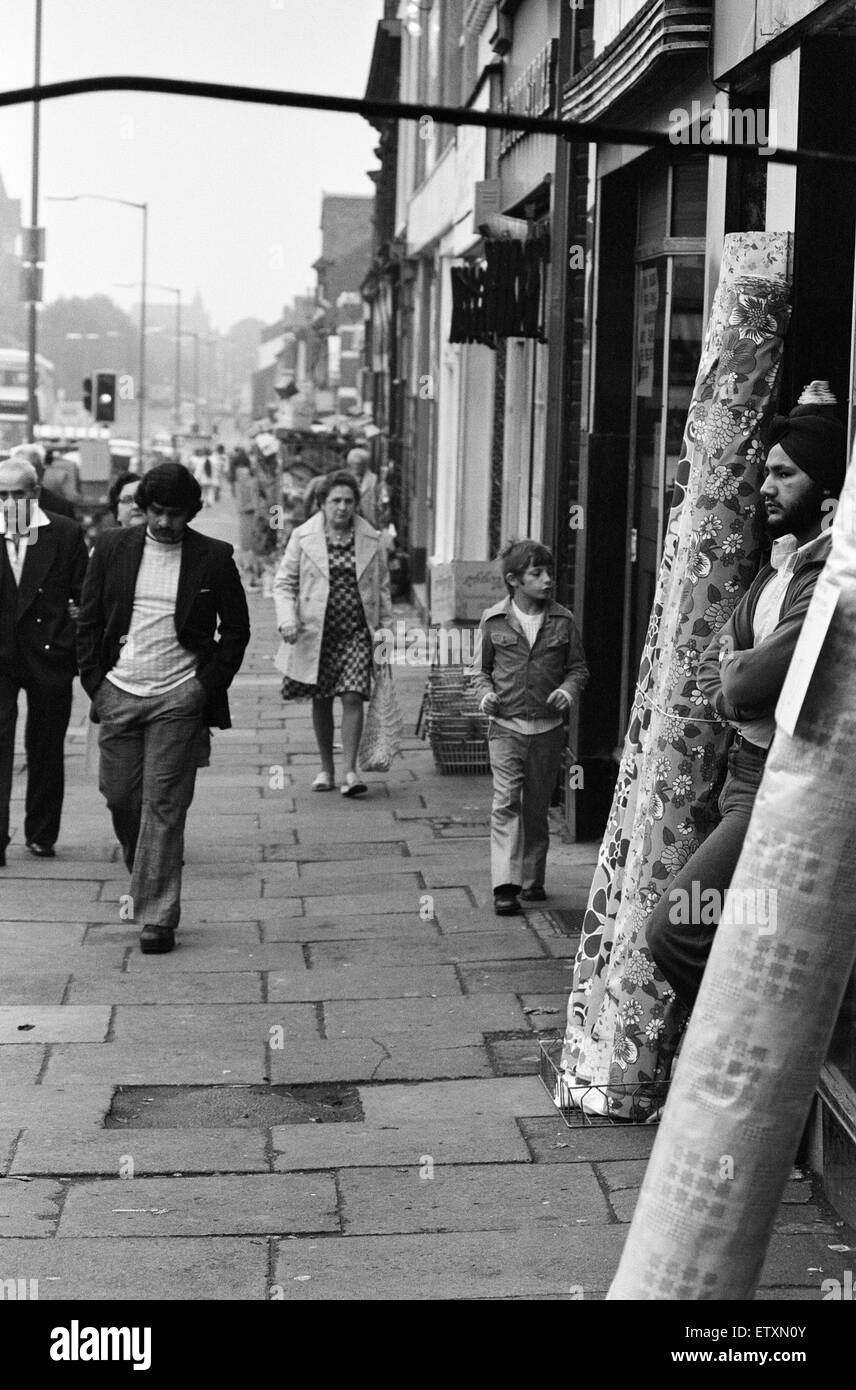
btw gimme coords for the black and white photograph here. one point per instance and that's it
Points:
(428, 667)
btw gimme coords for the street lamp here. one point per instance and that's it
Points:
(141, 383)
(192, 333)
(176, 290)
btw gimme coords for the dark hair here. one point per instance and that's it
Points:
(338, 479)
(516, 557)
(116, 490)
(170, 485)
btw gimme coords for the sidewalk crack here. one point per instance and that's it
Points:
(387, 1056)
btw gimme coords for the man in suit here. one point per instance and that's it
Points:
(49, 500)
(42, 564)
(162, 631)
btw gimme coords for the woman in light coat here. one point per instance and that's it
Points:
(332, 594)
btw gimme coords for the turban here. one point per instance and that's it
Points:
(815, 443)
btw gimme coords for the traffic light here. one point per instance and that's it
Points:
(87, 393)
(105, 397)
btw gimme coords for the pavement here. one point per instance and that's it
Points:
(328, 1091)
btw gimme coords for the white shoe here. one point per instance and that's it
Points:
(323, 782)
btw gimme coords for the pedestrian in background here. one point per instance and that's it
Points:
(122, 500)
(42, 564)
(162, 631)
(358, 462)
(532, 671)
(204, 475)
(332, 593)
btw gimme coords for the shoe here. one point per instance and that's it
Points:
(352, 786)
(535, 894)
(505, 904)
(156, 941)
(41, 851)
(323, 782)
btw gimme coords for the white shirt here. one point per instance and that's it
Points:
(16, 546)
(152, 660)
(765, 619)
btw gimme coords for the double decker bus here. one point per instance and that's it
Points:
(14, 389)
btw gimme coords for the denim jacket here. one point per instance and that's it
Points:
(523, 676)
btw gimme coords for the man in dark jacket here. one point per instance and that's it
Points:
(741, 675)
(42, 564)
(162, 631)
(50, 501)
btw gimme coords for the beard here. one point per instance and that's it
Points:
(798, 517)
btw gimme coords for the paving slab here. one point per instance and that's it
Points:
(140, 1270)
(20, 1065)
(490, 945)
(20, 898)
(54, 1108)
(185, 987)
(551, 1141)
(352, 872)
(81, 960)
(47, 935)
(408, 881)
(149, 1151)
(394, 899)
(329, 852)
(180, 1025)
(533, 1263)
(394, 1058)
(352, 983)
(204, 959)
(26, 987)
(209, 1061)
(454, 1100)
(253, 1204)
(479, 1013)
(484, 1139)
(523, 977)
(33, 1023)
(26, 869)
(29, 1208)
(320, 929)
(485, 1197)
(193, 935)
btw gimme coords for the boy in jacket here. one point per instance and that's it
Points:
(741, 675)
(532, 671)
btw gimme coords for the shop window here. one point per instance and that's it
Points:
(689, 199)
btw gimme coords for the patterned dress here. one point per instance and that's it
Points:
(345, 664)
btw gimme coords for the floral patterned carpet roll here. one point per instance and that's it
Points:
(769, 999)
(619, 1035)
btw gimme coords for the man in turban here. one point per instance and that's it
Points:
(741, 675)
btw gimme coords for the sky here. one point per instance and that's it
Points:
(234, 192)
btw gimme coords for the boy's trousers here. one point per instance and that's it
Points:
(524, 774)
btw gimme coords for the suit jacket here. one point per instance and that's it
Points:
(211, 618)
(51, 501)
(301, 589)
(37, 633)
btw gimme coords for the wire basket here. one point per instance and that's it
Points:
(582, 1105)
(456, 729)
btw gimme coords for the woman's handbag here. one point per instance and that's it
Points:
(381, 740)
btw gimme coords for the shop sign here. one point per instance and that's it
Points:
(533, 94)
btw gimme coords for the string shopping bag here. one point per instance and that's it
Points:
(381, 740)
